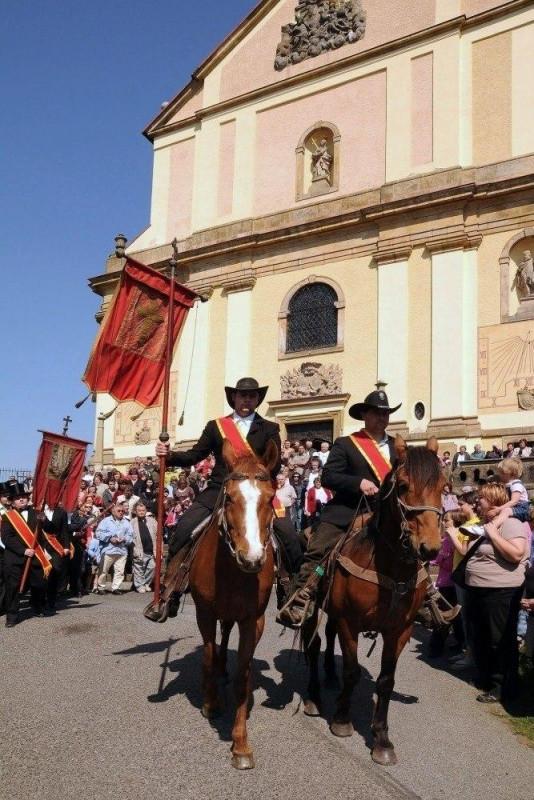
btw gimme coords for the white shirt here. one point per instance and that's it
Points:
(323, 457)
(244, 423)
(383, 446)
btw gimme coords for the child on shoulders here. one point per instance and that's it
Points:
(510, 471)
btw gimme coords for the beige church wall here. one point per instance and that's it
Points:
(358, 109)
(419, 338)
(358, 281)
(492, 99)
(523, 90)
(489, 285)
(472, 7)
(215, 364)
(250, 65)
(181, 167)
(422, 109)
(225, 194)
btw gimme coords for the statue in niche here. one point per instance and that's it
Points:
(311, 379)
(524, 277)
(322, 162)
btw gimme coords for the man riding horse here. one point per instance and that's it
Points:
(355, 469)
(244, 425)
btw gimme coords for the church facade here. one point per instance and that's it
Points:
(351, 186)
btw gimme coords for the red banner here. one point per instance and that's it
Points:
(128, 358)
(59, 471)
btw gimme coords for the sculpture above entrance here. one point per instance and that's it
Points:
(320, 25)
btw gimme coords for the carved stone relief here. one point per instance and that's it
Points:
(320, 25)
(311, 380)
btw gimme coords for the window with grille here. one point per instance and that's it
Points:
(312, 318)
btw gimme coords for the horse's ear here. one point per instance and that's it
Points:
(400, 448)
(229, 455)
(271, 456)
(433, 444)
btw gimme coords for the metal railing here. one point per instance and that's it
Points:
(20, 473)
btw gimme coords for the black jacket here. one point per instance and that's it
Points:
(343, 473)
(15, 547)
(260, 434)
(59, 527)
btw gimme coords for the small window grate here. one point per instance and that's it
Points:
(312, 318)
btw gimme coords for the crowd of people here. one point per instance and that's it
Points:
(486, 564)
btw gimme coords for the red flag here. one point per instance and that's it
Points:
(128, 358)
(59, 471)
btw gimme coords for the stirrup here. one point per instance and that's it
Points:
(157, 611)
(437, 617)
(298, 609)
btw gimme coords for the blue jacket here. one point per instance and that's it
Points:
(110, 527)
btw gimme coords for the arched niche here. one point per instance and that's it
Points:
(318, 156)
(517, 288)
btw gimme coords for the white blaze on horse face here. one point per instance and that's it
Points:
(251, 494)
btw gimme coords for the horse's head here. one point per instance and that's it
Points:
(247, 512)
(417, 486)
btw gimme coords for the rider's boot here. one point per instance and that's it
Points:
(301, 603)
(436, 612)
(161, 611)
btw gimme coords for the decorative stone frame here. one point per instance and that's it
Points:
(504, 261)
(283, 315)
(301, 193)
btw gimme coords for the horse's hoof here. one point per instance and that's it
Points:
(385, 756)
(210, 712)
(243, 762)
(342, 729)
(311, 709)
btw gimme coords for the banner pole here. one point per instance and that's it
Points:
(164, 435)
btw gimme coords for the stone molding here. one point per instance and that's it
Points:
(310, 409)
(451, 427)
(242, 285)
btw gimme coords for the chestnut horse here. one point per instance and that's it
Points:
(379, 584)
(231, 579)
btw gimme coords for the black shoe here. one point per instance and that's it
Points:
(116, 591)
(10, 623)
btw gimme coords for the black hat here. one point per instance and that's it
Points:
(4, 489)
(377, 399)
(245, 385)
(15, 490)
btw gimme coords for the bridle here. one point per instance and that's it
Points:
(405, 508)
(220, 508)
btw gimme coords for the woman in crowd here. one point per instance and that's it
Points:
(448, 499)
(523, 450)
(82, 524)
(316, 497)
(182, 490)
(494, 577)
(102, 489)
(150, 496)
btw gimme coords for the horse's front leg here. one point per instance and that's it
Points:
(341, 724)
(312, 649)
(207, 624)
(383, 751)
(329, 654)
(250, 632)
(226, 629)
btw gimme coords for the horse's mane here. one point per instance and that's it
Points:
(422, 467)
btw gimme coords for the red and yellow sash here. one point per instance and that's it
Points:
(55, 544)
(366, 445)
(230, 430)
(28, 537)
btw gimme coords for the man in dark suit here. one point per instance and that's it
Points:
(244, 399)
(57, 543)
(354, 471)
(15, 555)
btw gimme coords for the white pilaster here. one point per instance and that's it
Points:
(398, 129)
(454, 334)
(393, 310)
(191, 362)
(238, 335)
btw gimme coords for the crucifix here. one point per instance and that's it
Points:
(67, 420)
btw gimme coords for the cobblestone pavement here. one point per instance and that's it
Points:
(97, 702)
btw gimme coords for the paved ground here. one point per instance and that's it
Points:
(97, 702)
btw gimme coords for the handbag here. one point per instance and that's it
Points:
(458, 574)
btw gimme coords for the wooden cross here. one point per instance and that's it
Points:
(67, 420)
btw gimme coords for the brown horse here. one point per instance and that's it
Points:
(231, 579)
(379, 584)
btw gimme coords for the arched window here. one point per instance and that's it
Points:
(312, 318)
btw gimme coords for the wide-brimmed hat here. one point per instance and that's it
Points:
(377, 399)
(245, 385)
(14, 490)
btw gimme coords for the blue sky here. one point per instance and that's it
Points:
(80, 80)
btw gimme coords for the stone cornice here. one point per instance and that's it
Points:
(159, 125)
(375, 213)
